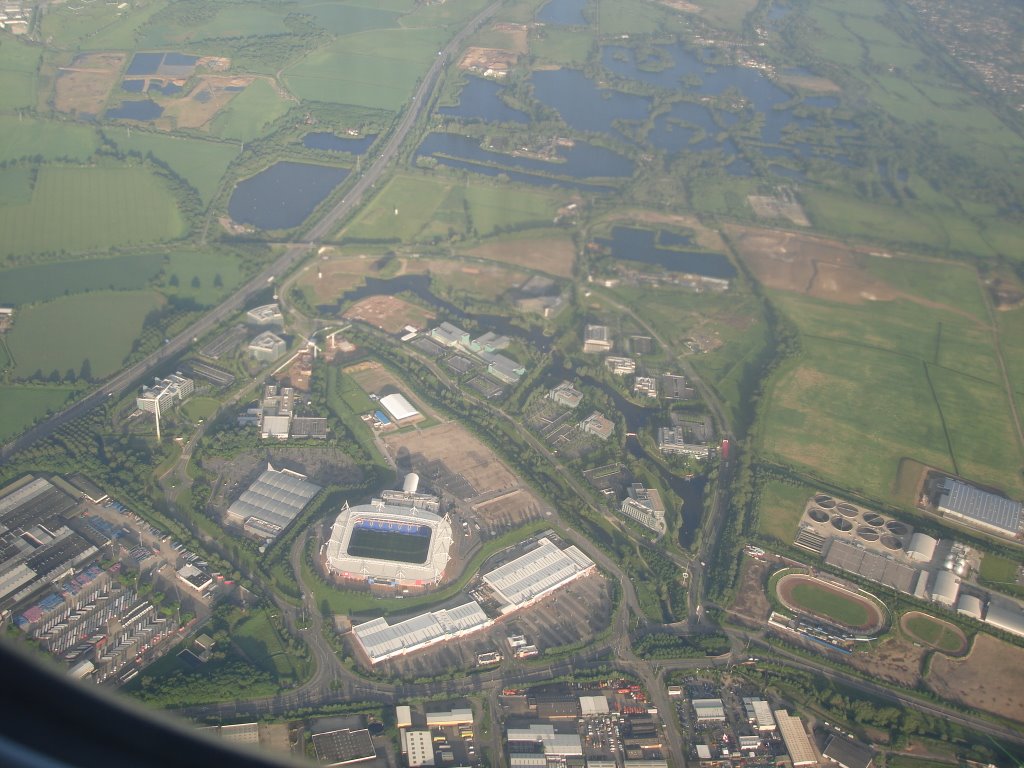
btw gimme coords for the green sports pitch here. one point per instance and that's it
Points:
(389, 545)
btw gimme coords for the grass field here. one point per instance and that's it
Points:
(206, 267)
(347, 19)
(248, 114)
(99, 326)
(780, 510)
(201, 163)
(433, 207)
(1011, 338)
(934, 632)
(21, 406)
(377, 69)
(620, 17)
(261, 644)
(998, 569)
(19, 64)
(383, 545)
(830, 604)
(96, 26)
(41, 282)
(561, 46)
(49, 139)
(231, 20)
(78, 209)
(197, 408)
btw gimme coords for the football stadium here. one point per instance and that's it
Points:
(398, 540)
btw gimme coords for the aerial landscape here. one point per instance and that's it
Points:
(517, 383)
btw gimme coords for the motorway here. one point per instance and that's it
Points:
(325, 225)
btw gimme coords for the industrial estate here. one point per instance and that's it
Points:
(518, 383)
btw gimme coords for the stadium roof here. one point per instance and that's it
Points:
(538, 572)
(1008, 619)
(399, 408)
(277, 497)
(981, 506)
(381, 641)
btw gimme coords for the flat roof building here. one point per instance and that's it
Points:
(502, 368)
(268, 314)
(709, 710)
(645, 506)
(267, 347)
(979, 507)
(597, 338)
(593, 705)
(489, 342)
(304, 427)
(672, 440)
(798, 743)
(343, 746)
(450, 718)
(645, 386)
(539, 572)
(381, 641)
(400, 409)
(418, 747)
(166, 392)
(760, 714)
(596, 424)
(195, 578)
(566, 394)
(449, 335)
(555, 745)
(620, 366)
(274, 499)
(403, 716)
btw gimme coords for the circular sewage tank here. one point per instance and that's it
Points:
(841, 524)
(875, 519)
(868, 534)
(847, 510)
(896, 528)
(892, 542)
(818, 515)
(825, 501)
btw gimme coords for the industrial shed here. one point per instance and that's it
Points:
(969, 605)
(922, 547)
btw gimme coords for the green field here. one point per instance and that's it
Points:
(99, 327)
(934, 632)
(999, 570)
(377, 69)
(557, 45)
(96, 26)
(830, 605)
(171, 28)
(19, 65)
(200, 163)
(78, 209)
(262, 646)
(429, 207)
(248, 114)
(1011, 338)
(21, 406)
(30, 138)
(349, 18)
(780, 509)
(384, 545)
(41, 282)
(217, 275)
(620, 17)
(200, 408)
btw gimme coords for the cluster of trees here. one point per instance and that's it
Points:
(664, 645)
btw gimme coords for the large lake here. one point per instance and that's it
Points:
(284, 195)
(565, 12)
(649, 247)
(479, 99)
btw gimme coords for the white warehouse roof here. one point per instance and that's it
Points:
(381, 641)
(946, 587)
(593, 705)
(970, 605)
(555, 744)
(535, 574)
(398, 407)
(1007, 619)
(277, 497)
(922, 547)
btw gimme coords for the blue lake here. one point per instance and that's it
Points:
(284, 195)
(479, 99)
(135, 110)
(648, 247)
(145, 63)
(133, 86)
(173, 59)
(582, 104)
(580, 161)
(566, 12)
(334, 143)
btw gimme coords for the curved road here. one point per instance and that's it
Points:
(325, 225)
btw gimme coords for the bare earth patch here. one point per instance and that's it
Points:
(990, 677)
(389, 313)
(751, 605)
(894, 660)
(554, 255)
(204, 101)
(85, 86)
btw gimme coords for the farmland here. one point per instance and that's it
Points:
(437, 208)
(249, 113)
(200, 163)
(21, 406)
(28, 137)
(76, 209)
(18, 65)
(41, 282)
(99, 327)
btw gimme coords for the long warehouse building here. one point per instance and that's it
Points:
(381, 641)
(536, 574)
